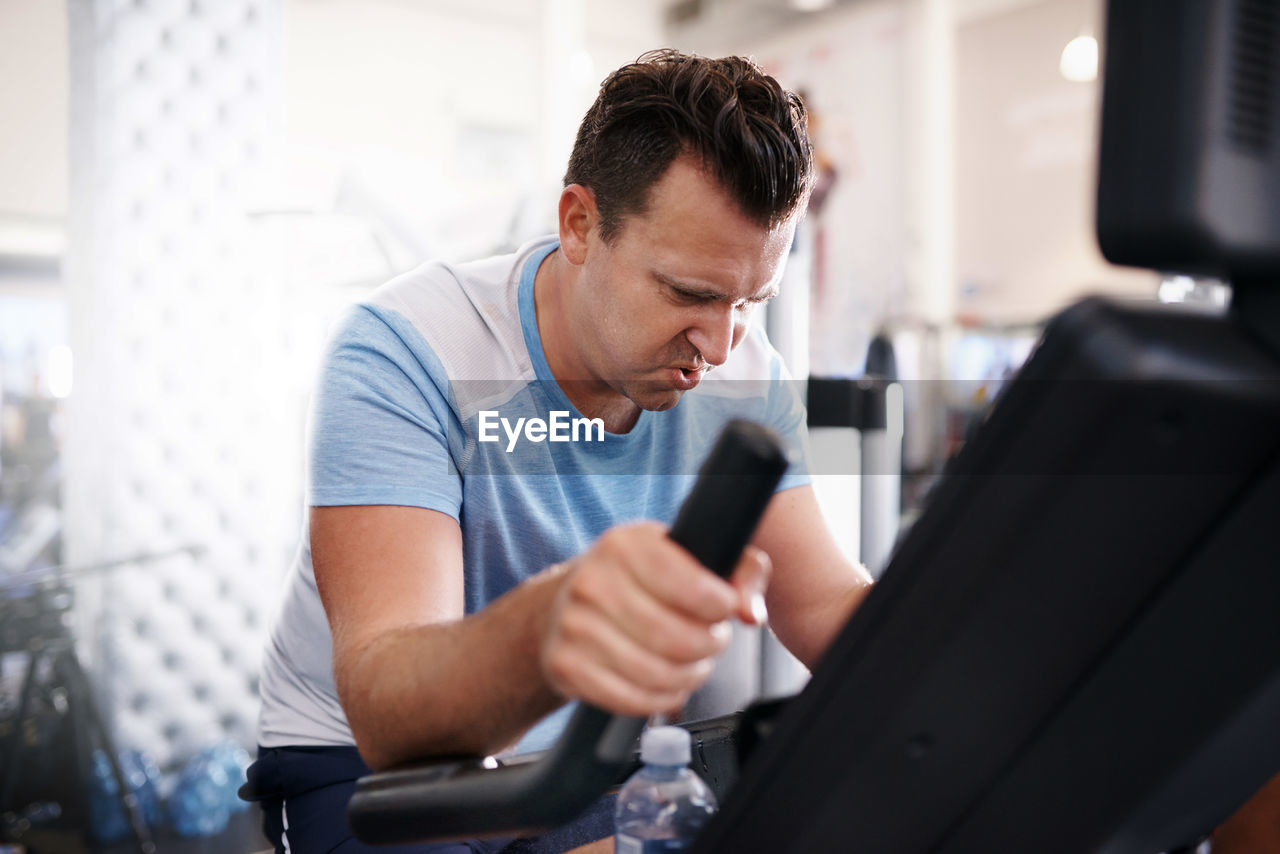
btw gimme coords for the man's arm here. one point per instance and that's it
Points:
(631, 625)
(814, 586)
(414, 678)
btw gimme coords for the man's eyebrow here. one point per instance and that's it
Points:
(701, 292)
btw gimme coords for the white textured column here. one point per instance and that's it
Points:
(181, 429)
(930, 136)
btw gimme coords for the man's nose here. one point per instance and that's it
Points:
(714, 335)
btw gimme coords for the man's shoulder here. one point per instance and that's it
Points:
(440, 287)
(460, 311)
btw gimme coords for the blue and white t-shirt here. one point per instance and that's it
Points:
(408, 411)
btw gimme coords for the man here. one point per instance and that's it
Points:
(457, 590)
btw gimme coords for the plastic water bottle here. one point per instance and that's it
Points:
(234, 760)
(664, 805)
(204, 797)
(198, 803)
(107, 817)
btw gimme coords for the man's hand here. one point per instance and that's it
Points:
(637, 623)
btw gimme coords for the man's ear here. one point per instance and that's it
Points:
(578, 216)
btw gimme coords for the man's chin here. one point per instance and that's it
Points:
(654, 396)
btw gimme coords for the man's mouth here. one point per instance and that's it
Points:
(685, 377)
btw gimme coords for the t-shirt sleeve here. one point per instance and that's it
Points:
(786, 413)
(380, 419)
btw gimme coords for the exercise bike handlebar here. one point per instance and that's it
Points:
(469, 798)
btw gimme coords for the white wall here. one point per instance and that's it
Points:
(33, 108)
(33, 189)
(445, 118)
(1026, 161)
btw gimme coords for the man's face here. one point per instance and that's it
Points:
(672, 294)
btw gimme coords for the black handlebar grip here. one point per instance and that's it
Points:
(452, 800)
(734, 486)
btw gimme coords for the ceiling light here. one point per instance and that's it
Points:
(1079, 62)
(811, 5)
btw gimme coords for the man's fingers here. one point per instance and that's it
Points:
(669, 573)
(585, 678)
(638, 622)
(648, 621)
(751, 579)
(632, 661)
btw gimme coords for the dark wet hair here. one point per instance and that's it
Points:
(747, 131)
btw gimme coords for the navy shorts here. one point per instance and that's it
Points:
(304, 792)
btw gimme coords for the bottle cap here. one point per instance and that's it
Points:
(665, 745)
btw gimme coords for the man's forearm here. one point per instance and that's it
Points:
(467, 687)
(808, 632)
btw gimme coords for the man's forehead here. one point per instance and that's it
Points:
(689, 177)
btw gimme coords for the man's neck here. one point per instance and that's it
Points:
(553, 289)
